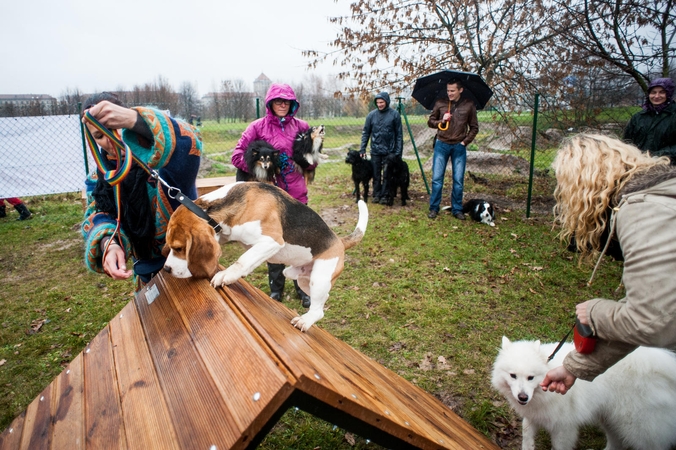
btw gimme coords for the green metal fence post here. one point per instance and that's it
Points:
(82, 135)
(532, 153)
(402, 111)
(258, 108)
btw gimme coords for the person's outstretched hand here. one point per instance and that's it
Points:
(115, 263)
(113, 116)
(558, 380)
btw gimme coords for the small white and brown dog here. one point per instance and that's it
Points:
(274, 227)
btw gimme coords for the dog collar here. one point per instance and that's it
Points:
(185, 201)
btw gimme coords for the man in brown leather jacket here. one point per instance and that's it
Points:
(457, 125)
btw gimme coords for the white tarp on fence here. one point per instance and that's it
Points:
(41, 155)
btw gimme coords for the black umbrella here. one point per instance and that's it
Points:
(432, 87)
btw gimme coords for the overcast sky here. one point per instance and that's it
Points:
(49, 46)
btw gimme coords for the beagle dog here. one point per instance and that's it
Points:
(273, 227)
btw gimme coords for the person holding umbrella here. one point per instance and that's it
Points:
(457, 125)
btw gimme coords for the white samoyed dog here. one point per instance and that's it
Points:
(634, 401)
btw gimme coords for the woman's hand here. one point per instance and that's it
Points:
(558, 380)
(115, 262)
(113, 116)
(581, 312)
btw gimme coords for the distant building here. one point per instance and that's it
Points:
(29, 104)
(261, 85)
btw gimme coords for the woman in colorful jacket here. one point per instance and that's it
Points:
(171, 147)
(278, 128)
(642, 192)
(654, 128)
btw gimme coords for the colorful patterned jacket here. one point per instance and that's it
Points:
(175, 153)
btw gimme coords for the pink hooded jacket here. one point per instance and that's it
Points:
(280, 133)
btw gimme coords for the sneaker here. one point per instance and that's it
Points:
(432, 214)
(276, 295)
(459, 216)
(376, 200)
(383, 200)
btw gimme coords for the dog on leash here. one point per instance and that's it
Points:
(274, 227)
(480, 210)
(362, 172)
(634, 401)
(262, 161)
(307, 151)
(395, 176)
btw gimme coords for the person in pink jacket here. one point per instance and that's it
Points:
(278, 128)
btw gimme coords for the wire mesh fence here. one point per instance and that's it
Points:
(508, 163)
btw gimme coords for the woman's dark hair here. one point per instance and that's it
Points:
(101, 96)
(138, 218)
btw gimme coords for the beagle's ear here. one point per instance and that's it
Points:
(165, 250)
(204, 253)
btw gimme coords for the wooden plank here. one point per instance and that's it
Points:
(346, 389)
(68, 407)
(10, 439)
(147, 421)
(272, 321)
(357, 385)
(103, 416)
(199, 414)
(37, 430)
(248, 377)
(206, 185)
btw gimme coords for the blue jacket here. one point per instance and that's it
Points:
(384, 129)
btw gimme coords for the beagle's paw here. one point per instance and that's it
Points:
(304, 322)
(225, 277)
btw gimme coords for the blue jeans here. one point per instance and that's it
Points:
(458, 154)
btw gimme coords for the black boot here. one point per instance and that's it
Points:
(3, 212)
(302, 295)
(24, 213)
(276, 280)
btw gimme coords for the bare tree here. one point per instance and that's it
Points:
(237, 100)
(518, 47)
(633, 36)
(188, 103)
(68, 102)
(393, 42)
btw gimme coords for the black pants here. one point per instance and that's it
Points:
(276, 278)
(377, 161)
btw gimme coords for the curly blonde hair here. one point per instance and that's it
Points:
(591, 170)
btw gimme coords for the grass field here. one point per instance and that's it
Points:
(430, 300)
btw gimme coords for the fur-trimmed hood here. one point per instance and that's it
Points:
(645, 180)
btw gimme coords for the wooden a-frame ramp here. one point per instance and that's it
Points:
(187, 366)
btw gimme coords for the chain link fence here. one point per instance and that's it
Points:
(508, 163)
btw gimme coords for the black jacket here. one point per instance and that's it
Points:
(654, 133)
(384, 129)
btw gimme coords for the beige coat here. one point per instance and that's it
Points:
(646, 229)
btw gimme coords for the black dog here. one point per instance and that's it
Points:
(395, 175)
(262, 160)
(362, 172)
(307, 148)
(480, 210)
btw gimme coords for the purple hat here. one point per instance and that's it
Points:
(665, 83)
